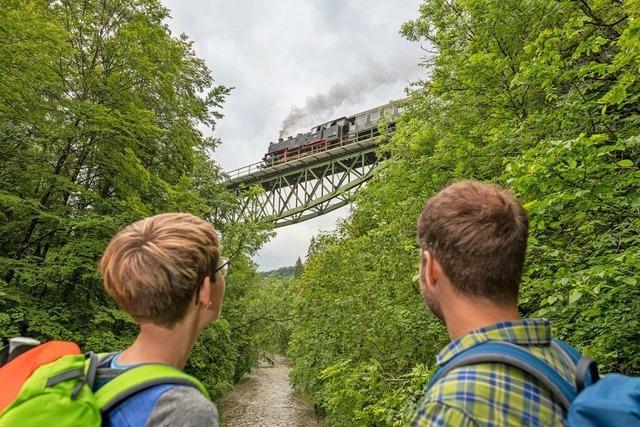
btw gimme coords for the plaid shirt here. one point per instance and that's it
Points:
(495, 394)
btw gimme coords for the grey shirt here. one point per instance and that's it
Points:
(177, 406)
(184, 406)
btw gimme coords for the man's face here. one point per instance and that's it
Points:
(427, 281)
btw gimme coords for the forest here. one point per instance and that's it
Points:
(101, 111)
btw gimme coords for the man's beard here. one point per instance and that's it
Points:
(433, 303)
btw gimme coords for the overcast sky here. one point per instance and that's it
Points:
(294, 54)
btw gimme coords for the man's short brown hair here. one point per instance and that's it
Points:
(153, 267)
(478, 233)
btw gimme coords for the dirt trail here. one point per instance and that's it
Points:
(265, 398)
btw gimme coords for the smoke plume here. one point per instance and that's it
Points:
(322, 107)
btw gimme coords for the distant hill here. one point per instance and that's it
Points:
(282, 272)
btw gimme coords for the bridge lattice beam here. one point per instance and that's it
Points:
(307, 187)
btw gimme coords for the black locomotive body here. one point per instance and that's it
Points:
(338, 132)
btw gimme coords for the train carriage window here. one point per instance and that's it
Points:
(360, 120)
(375, 115)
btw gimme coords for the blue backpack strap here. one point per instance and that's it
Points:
(512, 355)
(571, 354)
(585, 369)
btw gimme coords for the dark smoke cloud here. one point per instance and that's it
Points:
(322, 107)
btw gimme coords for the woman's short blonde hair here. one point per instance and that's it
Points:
(154, 267)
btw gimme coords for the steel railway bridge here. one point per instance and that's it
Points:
(305, 185)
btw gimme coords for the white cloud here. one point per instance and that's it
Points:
(278, 54)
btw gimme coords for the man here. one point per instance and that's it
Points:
(473, 239)
(167, 273)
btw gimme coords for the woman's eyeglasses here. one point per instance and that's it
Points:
(223, 267)
(223, 263)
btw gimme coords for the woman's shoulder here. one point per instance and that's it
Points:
(183, 405)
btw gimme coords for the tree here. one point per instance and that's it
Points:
(298, 269)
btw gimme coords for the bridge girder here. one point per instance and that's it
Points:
(308, 187)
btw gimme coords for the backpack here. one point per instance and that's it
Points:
(54, 381)
(613, 400)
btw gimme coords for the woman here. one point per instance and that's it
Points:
(167, 273)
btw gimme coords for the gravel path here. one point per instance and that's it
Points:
(265, 398)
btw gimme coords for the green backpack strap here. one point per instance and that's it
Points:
(139, 378)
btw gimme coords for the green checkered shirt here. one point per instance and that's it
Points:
(495, 394)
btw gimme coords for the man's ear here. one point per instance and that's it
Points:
(430, 269)
(204, 296)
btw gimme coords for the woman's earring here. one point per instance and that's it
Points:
(208, 305)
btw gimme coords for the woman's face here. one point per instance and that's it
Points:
(217, 295)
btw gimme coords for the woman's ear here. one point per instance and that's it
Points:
(204, 296)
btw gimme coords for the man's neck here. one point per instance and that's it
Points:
(156, 344)
(463, 315)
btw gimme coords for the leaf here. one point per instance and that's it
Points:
(603, 110)
(615, 95)
(574, 296)
(626, 163)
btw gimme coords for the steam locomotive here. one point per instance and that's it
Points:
(337, 132)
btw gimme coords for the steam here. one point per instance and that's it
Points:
(322, 107)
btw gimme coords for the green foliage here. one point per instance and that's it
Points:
(539, 96)
(100, 111)
(298, 269)
(583, 268)
(368, 394)
(274, 310)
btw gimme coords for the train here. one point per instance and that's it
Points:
(338, 132)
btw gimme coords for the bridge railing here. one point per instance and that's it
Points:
(246, 170)
(302, 152)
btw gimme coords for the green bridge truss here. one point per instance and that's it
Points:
(307, 186)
